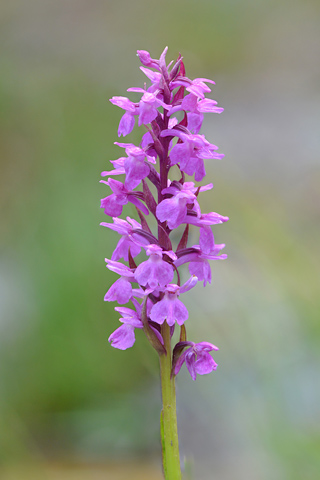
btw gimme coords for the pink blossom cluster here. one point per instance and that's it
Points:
(172, 110)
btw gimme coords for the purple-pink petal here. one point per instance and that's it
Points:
(155, 77)
(126, 124)
(147, 113)
(206, 239)
(194, 122)
(211, 218)
(119, 268)
(163, 274)
(136, 170)
(113, 204)
(123, 337)
(119, 225)
(159, 311)
(124, 103)
(192, 282)
(154, 272)
(122, 249)
(201, 269)
(179, 153)
(172, 210)
(190, 363)
(120, 291)
(204, 363)
(170, 309)
(181, 313)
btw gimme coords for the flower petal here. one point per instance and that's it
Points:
(159, 311)
(204, 363)
(126, 124)
(123, 337)
(190, 361)
(180, 311)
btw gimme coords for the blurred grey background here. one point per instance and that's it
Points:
(71, 406)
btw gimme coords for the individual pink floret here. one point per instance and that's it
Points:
(155, 271)
(135, 167)
(127, 230)
(197, 86)
(127, 121)
(191, 152)
(198, 261)
(197, 358)
(113, 204)
(173, 210)
(148, 106)
(124, 336)
(196, 109)
(121, 290)
(170, 308)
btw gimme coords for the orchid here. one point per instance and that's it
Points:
(198, 260)
(154, 271)
(197, 358)
(195, 109)
(170, 308)
(124, 336)
(113, 204)
(152, 281)
(129, 231)
(127, 121)
(121, 290)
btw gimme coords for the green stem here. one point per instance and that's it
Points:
(169, 427)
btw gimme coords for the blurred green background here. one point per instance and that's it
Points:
(71, 406)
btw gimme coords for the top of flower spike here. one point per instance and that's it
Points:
(159, 94)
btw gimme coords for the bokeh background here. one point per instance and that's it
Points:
(71, 407)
